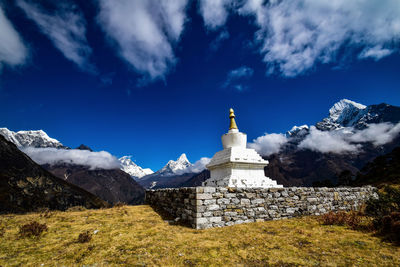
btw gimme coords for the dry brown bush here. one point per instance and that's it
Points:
(32, 229)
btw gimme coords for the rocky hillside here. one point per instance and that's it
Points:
(26, 186)
(111, 185)
(384, 169)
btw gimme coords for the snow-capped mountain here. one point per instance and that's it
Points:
(30, 138)
(176, 167)
(298, 131)
(130, 167)
(171, 175)
(347, 113)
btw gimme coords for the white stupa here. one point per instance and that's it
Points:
(236, 165)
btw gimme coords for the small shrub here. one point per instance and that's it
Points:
(76, 208)
(32, 229)
(84, 237)
(351, 219)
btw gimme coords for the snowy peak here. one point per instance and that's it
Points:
(183, 159)
(130, 167)
(173, 167)
(298, 131)
(345, 113)
(345, 108)
(30, 138)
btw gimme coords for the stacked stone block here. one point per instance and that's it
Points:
(206, 207)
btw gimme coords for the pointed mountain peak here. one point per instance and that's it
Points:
(342, 106)
(172, 167)
(130, 167)
(182, 158)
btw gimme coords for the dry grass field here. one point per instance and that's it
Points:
(138, 236)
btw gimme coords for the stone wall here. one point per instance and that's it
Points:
(206, 207)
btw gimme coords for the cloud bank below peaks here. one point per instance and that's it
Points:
(268, 144)
(339, 141)
(349, 140)
(144, 32)
(93, 160)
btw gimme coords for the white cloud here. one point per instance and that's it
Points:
(268, 144)
(348, 139)
(235, 75)
(214, 12)
(94, 160)
(13, 52)
(378, 134)
(326, 142)
(198, 166)
(295, 35)
(144, 32)
(376, 52)
(66, 28)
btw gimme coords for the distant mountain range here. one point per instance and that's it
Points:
(365, 131)
(171, 175)
(112, 185)
(352, 135)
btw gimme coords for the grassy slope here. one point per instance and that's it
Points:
(136, 235)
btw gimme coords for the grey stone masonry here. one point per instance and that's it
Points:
(207, 207)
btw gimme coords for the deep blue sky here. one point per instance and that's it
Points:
(187, 111)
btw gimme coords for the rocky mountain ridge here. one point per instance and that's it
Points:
(37, 138)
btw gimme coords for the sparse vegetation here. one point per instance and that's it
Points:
(84, 237)
(32, 229)
(352, 219)
(142, 237)
(386, 213)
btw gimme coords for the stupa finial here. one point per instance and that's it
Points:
(233, 122)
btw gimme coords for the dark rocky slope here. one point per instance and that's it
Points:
(111, 185)
(26, 186)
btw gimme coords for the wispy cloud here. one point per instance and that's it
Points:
(144, 32)
(268, 144)
(94, 160)
(216, 43)
(296, 35)
(66, 28)
(13, 51)
(235, 78)
(215, 12)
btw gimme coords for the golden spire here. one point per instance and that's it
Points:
(232, 117)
